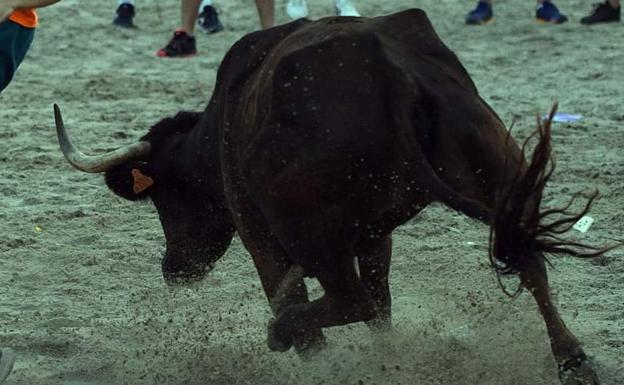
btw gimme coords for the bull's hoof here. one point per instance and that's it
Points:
(578, 371)
(277, 339)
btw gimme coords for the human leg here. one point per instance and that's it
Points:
(15, 41)
(266, 12)
(189, 11)
(182, 44)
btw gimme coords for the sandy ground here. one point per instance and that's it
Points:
(82, 300)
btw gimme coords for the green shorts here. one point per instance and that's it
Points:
(14, 43)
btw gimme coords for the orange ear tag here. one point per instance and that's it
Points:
(141, 182)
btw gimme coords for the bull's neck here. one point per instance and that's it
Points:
(197, 153)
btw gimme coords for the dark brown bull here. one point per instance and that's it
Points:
(320, 139)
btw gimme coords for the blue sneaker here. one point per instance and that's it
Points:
(547, 12)
(482, 14)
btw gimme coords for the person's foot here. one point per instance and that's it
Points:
(180, 45)
(482, 14)
(602, 13)
(345, 8)
(208, 20)
(297, 9)
(125, 14)
(547, 12)
(7, 359)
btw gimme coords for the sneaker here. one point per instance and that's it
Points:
(297, 9)
(125, 14)
(602, 13)
(482, 14)
(180, 45)
(7, 359)
(208, 20)
(345, 8)
(547, 12)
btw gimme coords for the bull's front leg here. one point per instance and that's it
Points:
(290, 292)
(574, 367)
(284, 289)
(374, 265)
(345, 301)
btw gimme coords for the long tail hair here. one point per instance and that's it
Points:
(519, 230)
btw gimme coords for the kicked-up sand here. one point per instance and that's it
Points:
(82, 300)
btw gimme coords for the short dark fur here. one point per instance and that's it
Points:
(180, 124)
(159, 134)
(319, 140)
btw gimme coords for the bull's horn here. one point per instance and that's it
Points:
(98, 163)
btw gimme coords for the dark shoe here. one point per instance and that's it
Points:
(181, 45)
(547, 12)
(602, 13)
(125, 14)
(482, 14)
(208, 20)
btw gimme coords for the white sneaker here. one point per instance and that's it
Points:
(297, 9)
(7, 359)
(345, 8)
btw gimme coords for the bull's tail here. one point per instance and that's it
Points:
(519, 229)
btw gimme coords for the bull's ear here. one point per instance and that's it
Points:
(131, 180)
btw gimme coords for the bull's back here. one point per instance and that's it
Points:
(309, 113)
(316, 124)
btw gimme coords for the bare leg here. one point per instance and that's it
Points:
(266, 12)
(189, 12)
(374, 262)
(574, 368)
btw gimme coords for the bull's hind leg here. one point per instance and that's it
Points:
(574, 367)
(374, 265)
(345, 301)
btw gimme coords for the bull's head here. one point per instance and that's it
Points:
(178, 170)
